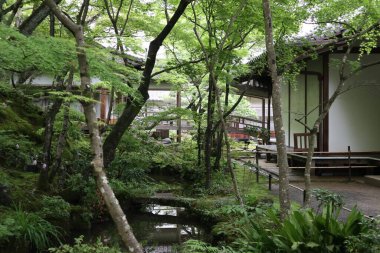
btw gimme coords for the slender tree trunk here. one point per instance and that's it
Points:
(43, 180)
(208, 132)
(325, 109)
(310, 152)
(219, 143)
(228, 147)
(218, 149)
(63, 134)
(108, 195)
(278, 124)
(61, 142)
(198, 121)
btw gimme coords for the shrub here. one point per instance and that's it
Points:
(195, 246)
(28, 229)
(80, 247)
(15, 149)
(54, 208)
(302, 231)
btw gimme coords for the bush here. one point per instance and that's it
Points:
(302, 231)
(29, 230)
(15, 149)
(80, 247)
(54, 208)
(195, 246)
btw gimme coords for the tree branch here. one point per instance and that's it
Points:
(226, 114)
(177, 66)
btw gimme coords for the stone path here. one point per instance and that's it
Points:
(355, 193)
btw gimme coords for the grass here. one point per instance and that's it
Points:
(252, 191)
(32, 229)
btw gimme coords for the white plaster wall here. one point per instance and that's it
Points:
(285, 110)
(297, 104)
(354, 118)
(313, 87)
(297, 107)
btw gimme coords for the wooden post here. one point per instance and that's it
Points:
(257, 174)
(257, 157)
(349, 164)
(268, 119)
(103, 104)
(263, 113)
(304, 196)
(270, 182)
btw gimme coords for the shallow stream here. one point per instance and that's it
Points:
(160, 229)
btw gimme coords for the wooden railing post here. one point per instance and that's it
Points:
(270, 182)
(349, 164)
(257, 156)
(257, 174)
(303, 197)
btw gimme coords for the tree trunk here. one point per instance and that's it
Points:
(132, 109)
(61, 143)
(208, 132)
(43, 180)
(32, 22)
(278, 124)
(310, 152)
(108, 195)
(228, 147)
(218, 149)
(325, 109)
(62, 136)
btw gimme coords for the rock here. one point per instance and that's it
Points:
(5, 198)
(166, 141)
(31, 168)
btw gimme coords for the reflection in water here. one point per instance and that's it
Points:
(160, 229)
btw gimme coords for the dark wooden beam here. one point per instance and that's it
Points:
(325, 98)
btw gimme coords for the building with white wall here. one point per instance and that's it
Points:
(354, 117)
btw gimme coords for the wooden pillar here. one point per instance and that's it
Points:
(325, 124)
(263, 113)
(179, 121)
(305, 112)
(268, 119)
(103, 104)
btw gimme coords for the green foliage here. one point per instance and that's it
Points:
(54, 208)
(17, 110)
(81, 247)
(367, 242)
(28, 229)
(14, 156)
(20, 53)
(6, 231)
(195, 246)
(258, 132)
(302, 231)
(329, 199)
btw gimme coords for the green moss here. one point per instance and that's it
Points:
(18, 112)
(10, 120)
(21, 186)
